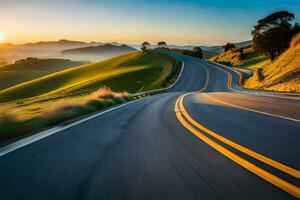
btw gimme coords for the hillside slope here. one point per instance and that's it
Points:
(249, 59)
(281, 75)
(129, 72)
(30, 69)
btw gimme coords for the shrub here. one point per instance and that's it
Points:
(106, 93)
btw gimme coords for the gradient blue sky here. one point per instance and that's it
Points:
(133, 21)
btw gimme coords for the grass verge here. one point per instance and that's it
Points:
(14, 123)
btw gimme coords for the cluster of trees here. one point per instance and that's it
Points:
(272, 34)
(146, 45)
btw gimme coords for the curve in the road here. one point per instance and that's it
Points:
(142, 151)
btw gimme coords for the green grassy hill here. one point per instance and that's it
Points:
(129, 72)
(96, 53)
(105, 48)
(26, 70)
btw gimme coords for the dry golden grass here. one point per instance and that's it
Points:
(101, 98)
(105, 92)
(295, 41)
(9, 114)
(279, 74)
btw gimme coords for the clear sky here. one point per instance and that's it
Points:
(133, 21)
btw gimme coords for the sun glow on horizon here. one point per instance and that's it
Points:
(2, 37)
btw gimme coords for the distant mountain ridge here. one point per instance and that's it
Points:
(58, 43)
(49, 49)
(99, 49)
(94, 53)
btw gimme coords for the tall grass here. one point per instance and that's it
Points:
(9, 115)
(100, 99)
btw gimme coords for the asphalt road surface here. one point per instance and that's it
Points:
(204, 139)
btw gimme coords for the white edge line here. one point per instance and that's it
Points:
(41, 135)
(251, 110)
(33, 138)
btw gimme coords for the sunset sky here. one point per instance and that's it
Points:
(133, 21)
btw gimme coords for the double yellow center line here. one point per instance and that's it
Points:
(197, 129)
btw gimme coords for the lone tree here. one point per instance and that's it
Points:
(162, 43)
(145, 45)
(228, 46)
(273, 33)
(197, 51)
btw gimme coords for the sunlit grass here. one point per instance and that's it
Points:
(283, 73)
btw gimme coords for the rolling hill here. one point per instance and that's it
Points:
(30, 69)
(97, 52)
(130, 72)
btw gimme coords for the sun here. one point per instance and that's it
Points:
(2, 37)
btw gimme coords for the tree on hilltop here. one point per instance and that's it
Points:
(197, 51)
(273, 33)
(162, 43)
(145, 44)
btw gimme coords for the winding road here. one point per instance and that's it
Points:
(206, 138)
